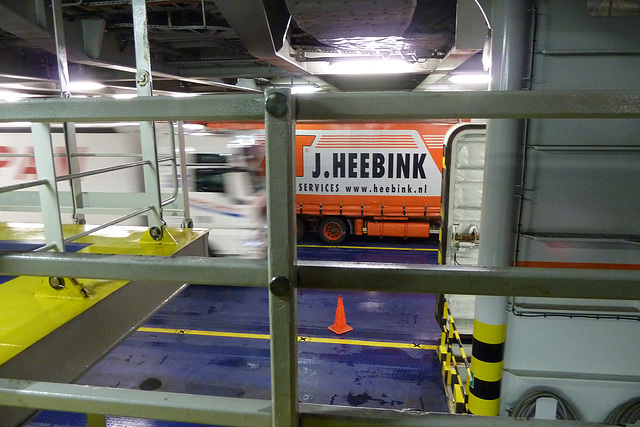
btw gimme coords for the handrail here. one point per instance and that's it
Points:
(69, 177)
(108, 224)
(23, 185)
(101, 170)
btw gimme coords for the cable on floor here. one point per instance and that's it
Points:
(526, 407)
(625, 413)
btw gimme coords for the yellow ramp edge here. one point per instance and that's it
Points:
(30, 308)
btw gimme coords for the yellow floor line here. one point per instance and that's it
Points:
(302, 339)
(369, 247)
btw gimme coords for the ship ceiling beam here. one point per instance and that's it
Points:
(263, 32)
(86, 43)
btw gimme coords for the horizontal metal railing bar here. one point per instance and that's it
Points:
(108, 224)
(521, 281)
(403, 106)
(599, 149)
(222, 410)
(201, 270)
(315, 415)
(472, 280)
(135, 403)
(107, 155)
(46, 248)
(102, 170)
(160, 108)
(23, 185)
(372, 106)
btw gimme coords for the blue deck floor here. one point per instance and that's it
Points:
(369, 374)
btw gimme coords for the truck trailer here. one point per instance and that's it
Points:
(374, 179)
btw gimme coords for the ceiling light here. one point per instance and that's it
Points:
(183, 94)
(15, 124)
(84, 86)
(192, 127)
(371, 66)
(14, 86)
(124, 95)
(304, 89)
(9, 96)
(470, 79)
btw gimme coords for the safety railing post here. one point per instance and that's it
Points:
(184, 185)
(69, 128)
(279, 127)
(43, 152)
(147, 128)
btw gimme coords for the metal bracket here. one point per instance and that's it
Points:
(280, 286)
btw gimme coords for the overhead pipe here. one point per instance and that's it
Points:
(499, 209)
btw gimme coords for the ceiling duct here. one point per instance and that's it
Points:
(409, 28)
(338, 19)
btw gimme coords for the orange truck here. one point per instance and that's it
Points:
(369, 179)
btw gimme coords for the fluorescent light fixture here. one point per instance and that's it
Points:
(78, 125)
(18, 86)
(183, 95)
(370, 66)
(107, 124)
(9, 96)
(15, 125)
(470, 79)
(84, 86)
(192, 127)
(124, 95)
(304, 89)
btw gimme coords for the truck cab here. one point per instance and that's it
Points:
(226, 195)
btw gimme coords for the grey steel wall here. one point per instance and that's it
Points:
(579, 200)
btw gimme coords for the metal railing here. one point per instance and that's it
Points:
(280, 273)
(49, 185)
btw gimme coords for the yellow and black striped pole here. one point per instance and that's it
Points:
(510, 36)
(489, 332)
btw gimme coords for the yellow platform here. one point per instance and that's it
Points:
(30, 308)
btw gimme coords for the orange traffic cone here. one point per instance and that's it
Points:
(340, 323)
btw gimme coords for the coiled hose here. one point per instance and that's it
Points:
(526, 407)
(626, 413)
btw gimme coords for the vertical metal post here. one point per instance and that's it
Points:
(69, 129)
(147, 129)
(184, 184)
(61, 48)
(49, 202)
(509, 46)
(283, 319)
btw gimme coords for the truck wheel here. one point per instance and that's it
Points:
(299, 229)
(333, 230)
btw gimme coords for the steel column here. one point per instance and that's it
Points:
(184, 184)
(68, 128)
(283, 319)
(49, 202)
(147, 128)
(498, 214)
